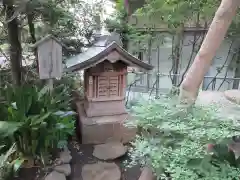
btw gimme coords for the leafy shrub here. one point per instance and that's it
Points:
(36, 120)
(8, 167)
(71, 82)
(173, 140)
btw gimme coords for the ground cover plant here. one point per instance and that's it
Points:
(184, 144)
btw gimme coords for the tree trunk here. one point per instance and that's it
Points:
(202, 62)
(15, 45)
(31, 28)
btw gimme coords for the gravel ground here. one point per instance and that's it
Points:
(227, 108)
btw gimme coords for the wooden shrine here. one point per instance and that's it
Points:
(103, 107)
(105, 89)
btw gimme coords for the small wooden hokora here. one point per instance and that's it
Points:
(105, 71)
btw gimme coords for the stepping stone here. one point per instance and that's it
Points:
(146, 174)
(55, 176)
(233, 96)
(109, 151)
(65, 157)
(101, 171)
(65, 169)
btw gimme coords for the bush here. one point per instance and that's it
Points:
(173, 141)
(36, 120)
(71, 82)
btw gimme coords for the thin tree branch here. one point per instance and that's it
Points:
(225, 76)
(221, 68)
(190, 58)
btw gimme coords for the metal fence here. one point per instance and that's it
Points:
(153, 85)
(170, 57)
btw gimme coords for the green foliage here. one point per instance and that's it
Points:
(119, 23)
(219, 153)
(8, 167)
(73, 22)
(233, 30)
(174, 13)
(36, 120)
(173, 140)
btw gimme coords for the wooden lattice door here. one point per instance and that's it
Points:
(113, 86)
(102, 87)
(108, 86)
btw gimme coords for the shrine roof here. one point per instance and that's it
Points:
(45, 39)
(94, 54)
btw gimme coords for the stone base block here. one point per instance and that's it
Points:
(104, 108)
(103, 129)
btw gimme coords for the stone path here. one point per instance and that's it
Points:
(101, 171)
(61, 168)
(147, 174)
(88, 162)
(109, 151)
(105, 170)
(85, 165)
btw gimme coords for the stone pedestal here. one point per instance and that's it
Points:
(103, 129)
(101, 108)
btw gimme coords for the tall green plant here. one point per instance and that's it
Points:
(36, 120)
(171, 137)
